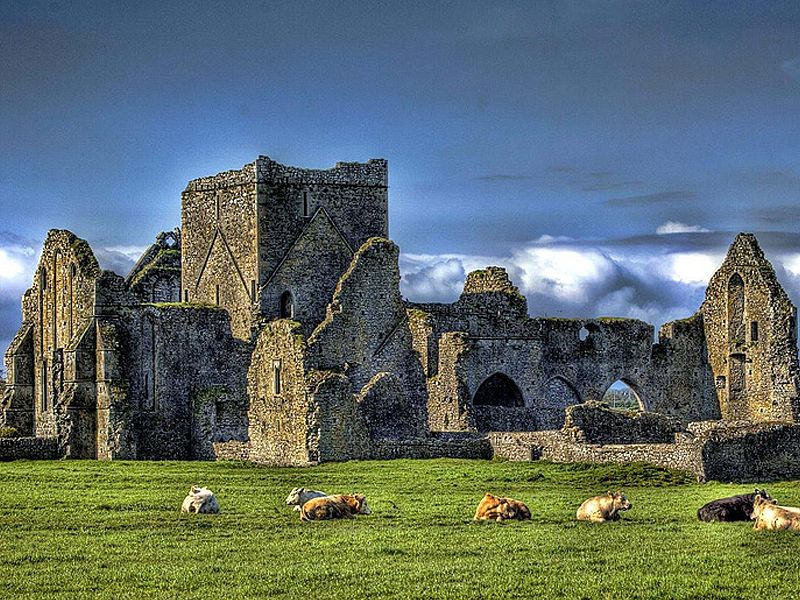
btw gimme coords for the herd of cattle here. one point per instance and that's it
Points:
(314, 505)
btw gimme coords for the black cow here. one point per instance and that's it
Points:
(735, 508)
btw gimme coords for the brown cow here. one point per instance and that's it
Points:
(600, 509)
(500, 508)
(334, 507)
(768, 515)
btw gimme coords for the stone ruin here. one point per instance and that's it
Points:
(270, 327)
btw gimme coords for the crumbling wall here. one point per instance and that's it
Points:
(156, 276)
(365, 333)
(751, 334)
(597, 423)
(682, 381)
(280, 428)
(186, 376)
(16, 409)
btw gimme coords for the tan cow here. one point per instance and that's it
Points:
(335, 507)
(500, 508)
(600, 509)
(768, 515)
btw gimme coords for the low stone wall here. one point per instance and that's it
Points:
(31, 448)
(435, 446)
(764, 452)
(597, 423)
(709, 450)
(232, 450)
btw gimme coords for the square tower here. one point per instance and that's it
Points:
(271, 241)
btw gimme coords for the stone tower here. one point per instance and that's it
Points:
(751, 331)
(270, 241)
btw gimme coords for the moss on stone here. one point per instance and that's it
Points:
(183, 305)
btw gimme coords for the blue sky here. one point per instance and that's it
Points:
(606, 153)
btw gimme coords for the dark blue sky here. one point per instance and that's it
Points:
(593, 124)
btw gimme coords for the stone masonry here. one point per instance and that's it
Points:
(270, 327)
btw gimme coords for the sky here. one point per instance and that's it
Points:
(605, 153)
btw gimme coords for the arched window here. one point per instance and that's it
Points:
(621, 396)
(736, 309)
(498, 390)
(287, 305)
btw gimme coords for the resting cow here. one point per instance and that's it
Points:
(301, 495)
(600, 509)
(200, 500)
(735, 508)
(334, 507)
(768, 515)
(500, 508)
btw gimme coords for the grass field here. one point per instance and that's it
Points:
(73, 529)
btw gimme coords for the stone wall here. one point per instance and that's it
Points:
(186, 378)
(751, 335)
(596, 423)
(30, 448)
(220, 244)
(682, 382)
(717, 450)
(156, 277)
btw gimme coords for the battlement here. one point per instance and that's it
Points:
(373, 173)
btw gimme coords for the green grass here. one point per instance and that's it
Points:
(75, 529)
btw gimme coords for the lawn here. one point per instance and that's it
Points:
(72, 529)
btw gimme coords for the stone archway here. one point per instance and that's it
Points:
(623, 395)
(498, 390)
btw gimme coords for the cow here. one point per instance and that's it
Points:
(600, 509)
(335, 507)
(768, 515)
(735, 508)
(299, 496)
(200, 500)
(500, 508)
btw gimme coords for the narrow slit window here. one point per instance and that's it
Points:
(253, 290)
(186, 295)
(217, 295)
(276, 376)
(754, 331)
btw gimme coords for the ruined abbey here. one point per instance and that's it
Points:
(270, 327)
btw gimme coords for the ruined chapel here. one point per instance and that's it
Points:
(270, 327)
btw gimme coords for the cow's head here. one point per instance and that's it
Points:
(294, 496)
(361, 503)
(619, 501)
(759, 503)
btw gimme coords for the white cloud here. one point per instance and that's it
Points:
(677, 227)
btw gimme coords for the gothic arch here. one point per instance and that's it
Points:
(629, 389)
(736, 309)
(498, 390)
(287, 305)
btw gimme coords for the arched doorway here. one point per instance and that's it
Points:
(287, 305)
(620, 395)
(498, 390)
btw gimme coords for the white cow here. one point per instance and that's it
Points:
(301, 495)
(200, 500)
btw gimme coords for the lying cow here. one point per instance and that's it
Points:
(500, 508)
(200, 500)
(334, 507)
(299, 496)
(768, 515)
(735, 508)
(600, 509)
